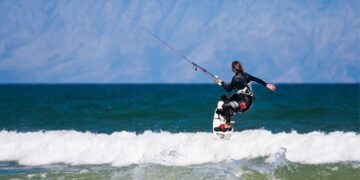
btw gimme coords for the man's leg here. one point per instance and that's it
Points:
(245, 103)
(229, 109)
(224, 110)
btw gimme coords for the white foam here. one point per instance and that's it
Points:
(124, 148)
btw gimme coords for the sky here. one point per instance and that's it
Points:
(94, 41)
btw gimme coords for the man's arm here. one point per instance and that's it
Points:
(252, 78)
(271, 87)
(228, 87)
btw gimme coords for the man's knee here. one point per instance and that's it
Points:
(231, 105)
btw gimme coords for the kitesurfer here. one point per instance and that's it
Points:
(242, 100)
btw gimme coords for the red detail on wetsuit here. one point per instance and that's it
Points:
(243, 105)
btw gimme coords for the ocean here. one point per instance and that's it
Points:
(163, 131)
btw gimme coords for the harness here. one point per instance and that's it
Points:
(247, 90)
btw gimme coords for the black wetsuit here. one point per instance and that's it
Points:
(232, 102)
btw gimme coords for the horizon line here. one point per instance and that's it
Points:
(158, 83)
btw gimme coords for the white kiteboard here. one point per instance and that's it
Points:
(218, 120)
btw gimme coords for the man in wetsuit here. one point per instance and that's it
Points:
(242, 100)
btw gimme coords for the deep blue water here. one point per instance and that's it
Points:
(175, 108)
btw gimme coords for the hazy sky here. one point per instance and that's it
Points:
(92, 41)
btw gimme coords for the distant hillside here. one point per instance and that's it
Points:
(91, 41)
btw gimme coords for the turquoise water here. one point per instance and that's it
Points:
(174, 108)
(157, 131)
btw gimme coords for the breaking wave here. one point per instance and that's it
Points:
(125, 148)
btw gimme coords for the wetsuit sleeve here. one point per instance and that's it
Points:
(228, 87)
(252, 78)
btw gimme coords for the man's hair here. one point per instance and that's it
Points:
(237, 66)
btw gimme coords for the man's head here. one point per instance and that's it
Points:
(237, 67)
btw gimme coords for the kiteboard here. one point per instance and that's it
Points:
(218, 120)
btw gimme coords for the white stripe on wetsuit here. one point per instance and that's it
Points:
(234, 104)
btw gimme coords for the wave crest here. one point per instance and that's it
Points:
(124, 148)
